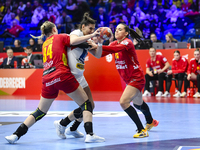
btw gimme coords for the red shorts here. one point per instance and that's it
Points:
(137, 83)
(66, 83)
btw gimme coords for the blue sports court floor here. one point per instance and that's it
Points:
(179, 127)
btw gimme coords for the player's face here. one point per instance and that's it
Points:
(196, 55)
(177, 56)
(89, 29)
(152, 52)
(120, 32)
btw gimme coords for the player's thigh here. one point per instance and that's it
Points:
(89, 94)
(45, 104)
(79, 95)
(82, 81)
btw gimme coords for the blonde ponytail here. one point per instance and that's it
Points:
(45, 28)
(37, 37)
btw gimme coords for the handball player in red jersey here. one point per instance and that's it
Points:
(57, 76)
(193, 74)
(127, 64)
(178, 71)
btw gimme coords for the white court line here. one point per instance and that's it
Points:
(63, 113)
(180, 147)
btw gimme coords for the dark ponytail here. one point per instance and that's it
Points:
(177, 51)
(137, 35)
(86, 20)
(134, 34)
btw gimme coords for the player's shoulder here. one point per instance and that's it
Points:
(148, 60)
(183, 59)
(126, 41)
(192, 60)
(77, 32)
(61, 35)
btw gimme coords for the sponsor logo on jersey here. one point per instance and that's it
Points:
(50, 70)
(53, 82)
(116, 55)
(109, 57)
(156, 67)
(48, 64)
(120, 62)
(121, 66)
(80, 66)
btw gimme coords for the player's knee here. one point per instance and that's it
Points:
(93, 105)
(121, 103)
(87, 106)
(38, 114)
(124, 104)
(78, 113)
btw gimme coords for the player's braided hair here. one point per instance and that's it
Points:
(197, 50)
(137, 34)
(46, 29)
(86, 20)
(134, 34)
(177, 51)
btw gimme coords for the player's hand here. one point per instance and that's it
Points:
(97, 32)
(169, 72)
(92, 44)
(189, 77)
(100, 40)
(159, 71)
(150, 74)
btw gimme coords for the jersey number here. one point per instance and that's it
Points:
(47, 51)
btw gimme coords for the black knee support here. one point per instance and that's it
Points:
(38, 114)
(78, 113)
(86, 106)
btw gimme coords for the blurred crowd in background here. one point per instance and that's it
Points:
(19, 19)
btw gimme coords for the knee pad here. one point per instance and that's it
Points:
(78, 113)
(38, 114)
(87, 106)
